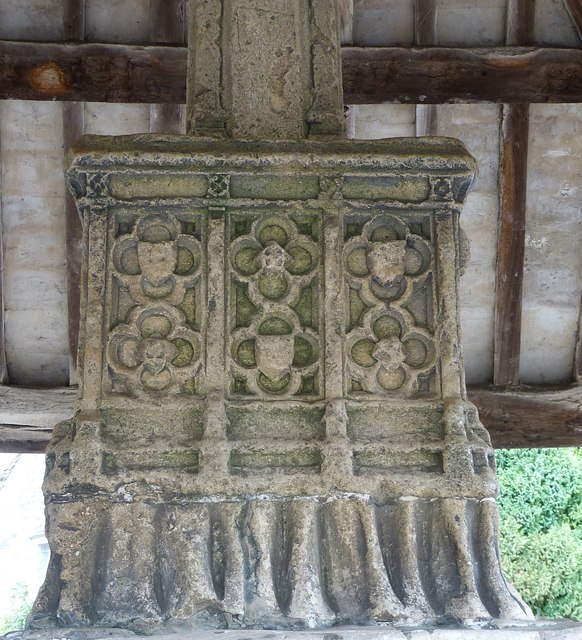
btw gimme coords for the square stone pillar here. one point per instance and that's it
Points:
(264, 69)
(272, 427)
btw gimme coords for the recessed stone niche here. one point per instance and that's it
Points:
(272, 429)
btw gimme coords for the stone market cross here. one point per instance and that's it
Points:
(272, 428)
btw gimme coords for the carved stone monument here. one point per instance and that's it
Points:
(272, 428)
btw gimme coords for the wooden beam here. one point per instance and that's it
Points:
(531, 417)
(27, 416)
(520, 22)
(165, 118)
(36, 408)
(439, 75)
(92, 72)
(425, 22)
(574, 9)
(16, 438)
(166, 27)
(526, 417)
(512, 209)
(157, 74)
(426, 120)
(74, 20)
(73, 128)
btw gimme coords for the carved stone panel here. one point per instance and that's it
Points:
(389, 345)
(154, 346)
(271, 374)
(274, 280)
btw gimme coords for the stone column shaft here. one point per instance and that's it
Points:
(264, 69)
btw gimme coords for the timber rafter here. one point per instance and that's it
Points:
(531, 416)
(420, 75)
(514, 138)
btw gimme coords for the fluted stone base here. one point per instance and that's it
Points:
(274, 563)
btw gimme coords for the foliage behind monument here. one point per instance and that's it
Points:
(541, 527)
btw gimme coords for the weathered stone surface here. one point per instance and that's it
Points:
(253, 312)
(542, 630)
(264, 70)
(272, 426)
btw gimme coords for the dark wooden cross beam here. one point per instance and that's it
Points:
(433, 75)
(425, 33)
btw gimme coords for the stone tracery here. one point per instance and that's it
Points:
(389, 346)
(154, 344)
(275, 308)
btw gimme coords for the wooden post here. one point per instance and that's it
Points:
(512, 211)
(425, 33)
(73, 128)
(425, 22)
(3, 367)
(520, 22)
(574, 9)
(510, 243)
(166, 27)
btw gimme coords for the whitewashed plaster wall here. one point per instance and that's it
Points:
(32, 200)
(553, 252)
(32, 203)
(31, 19)
(33, 233)
(471, 24)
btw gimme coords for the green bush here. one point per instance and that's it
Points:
(15, 619)
(541, 528)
